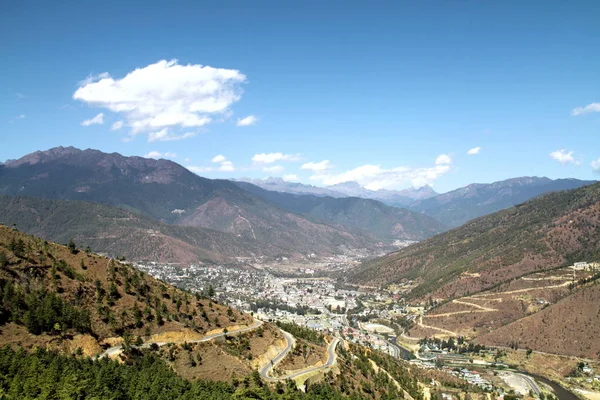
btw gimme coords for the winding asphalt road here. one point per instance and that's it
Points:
(111, 351)
(267, 369)
(532, 384)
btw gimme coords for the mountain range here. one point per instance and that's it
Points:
(398, 198)
(164, 193)
(365, 215)
(452, 209)
(204, 219)
(456, 207)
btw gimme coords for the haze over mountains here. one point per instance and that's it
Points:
(399, 198)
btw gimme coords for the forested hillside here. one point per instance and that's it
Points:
(77, 325)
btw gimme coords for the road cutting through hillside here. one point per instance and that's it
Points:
(482, 295)
(421, 324)
(265, 371)
(115, 350)
(480, 309)
(548, 278)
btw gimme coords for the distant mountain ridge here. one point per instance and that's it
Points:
(458, 206)
(366, 215)
(399, 198)
(280, 185)
(169, 193)
(391, 197)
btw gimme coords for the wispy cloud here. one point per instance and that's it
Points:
(116, 126)
(20, 96)
(317, 167)
(158, 154)
(97, 120)
(247, 121)
(596, 165)
(474, 150)
(564, 157)
(164, 135)
(160, 97)
(375, 177)
(592, 107)
(224, 165)
(270, 158)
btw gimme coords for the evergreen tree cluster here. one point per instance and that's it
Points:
(40, 311)
(302, 332)
(49, 375)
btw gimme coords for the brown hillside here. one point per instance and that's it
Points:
(544, 233)
(571, 327)
(94, 296)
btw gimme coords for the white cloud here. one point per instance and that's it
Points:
(247, 121)
(158, 154)
(97, 120)
(592, 107)
(94, 78)
(165, 95)
(564, 157)
(20, 96)
(274, 169)
(317, 167)
(443, 159)
(226, 166)
(374, 177)
(474, 150)
(165, 136)
(22, 116)
(290, 178)
(270, 158)
(116, 126)
(596, 165)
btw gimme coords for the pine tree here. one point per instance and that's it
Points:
(3, 259)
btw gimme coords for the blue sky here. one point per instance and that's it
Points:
(370, 91)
